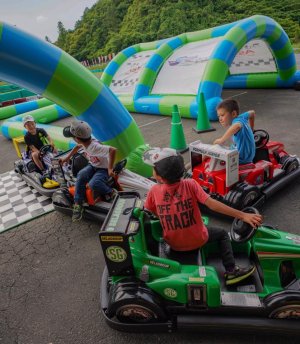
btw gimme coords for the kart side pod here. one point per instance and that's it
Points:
(114, 235)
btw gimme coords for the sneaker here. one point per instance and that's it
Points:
(77, 212)
(238, 274)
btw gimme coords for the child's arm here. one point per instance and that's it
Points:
(254, 220)
(233, 129)
(111, 159)
(252, 115)
(69, 156)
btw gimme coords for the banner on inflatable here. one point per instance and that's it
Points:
(254, 57)
(128, 74)
(184, 68)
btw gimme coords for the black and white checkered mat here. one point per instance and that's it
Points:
(19, 202)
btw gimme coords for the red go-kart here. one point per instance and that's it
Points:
(216, 168)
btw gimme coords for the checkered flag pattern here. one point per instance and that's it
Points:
(19, 202)
(124, 82)
(258, 62)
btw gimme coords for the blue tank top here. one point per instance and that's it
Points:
(244, 139)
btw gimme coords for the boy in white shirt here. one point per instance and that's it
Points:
(96, 173)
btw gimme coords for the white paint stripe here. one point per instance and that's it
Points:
(236, 95)
(159, 120)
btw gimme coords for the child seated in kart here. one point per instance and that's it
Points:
(175, 201)
(96, 173)
(35, 139)
(240, 129)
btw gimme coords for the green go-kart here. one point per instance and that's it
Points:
(145, 289)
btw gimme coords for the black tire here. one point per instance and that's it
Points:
(290, 311)
(292, 166)
(242, 196)
(133, 303)
(249, 197)
(233, 199)
(289, 164)
(283, 305)
(139, 311)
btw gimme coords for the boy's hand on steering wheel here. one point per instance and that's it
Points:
(255, 220)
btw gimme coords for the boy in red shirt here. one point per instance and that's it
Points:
(175, 202)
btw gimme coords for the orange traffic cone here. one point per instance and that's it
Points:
(203, 124)
(177, 135)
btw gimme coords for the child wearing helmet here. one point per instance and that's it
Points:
(175, 201)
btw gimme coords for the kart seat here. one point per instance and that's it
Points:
(261, 154)
(158, 247)
(184, 257)
(79, 161)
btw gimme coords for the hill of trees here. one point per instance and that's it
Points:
(112, 25)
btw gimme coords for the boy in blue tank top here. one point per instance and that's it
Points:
(240, 129)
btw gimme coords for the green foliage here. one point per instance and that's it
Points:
(112, 25)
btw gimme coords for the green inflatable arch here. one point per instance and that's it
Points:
(231, 38)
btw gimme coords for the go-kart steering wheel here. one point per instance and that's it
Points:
(46, 149)
(119, 166)
(261, 138)
(241, 231)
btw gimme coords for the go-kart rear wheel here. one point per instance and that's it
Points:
(291, 311)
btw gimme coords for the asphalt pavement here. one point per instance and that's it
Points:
(51, 268)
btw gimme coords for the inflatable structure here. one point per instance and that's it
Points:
(17, 109)
(152, 77)
(46, 70)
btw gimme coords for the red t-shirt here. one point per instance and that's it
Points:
(177, 208)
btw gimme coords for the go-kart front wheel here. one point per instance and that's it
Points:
(291, 311)
(19, 167)
(289, 164)
(284, 304)
(138, 312)
(249, 197)
(132, 303)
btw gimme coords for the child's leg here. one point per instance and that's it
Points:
(82, 179)
(36, 159)
(221, 236)
(98, 182)
(233, 274)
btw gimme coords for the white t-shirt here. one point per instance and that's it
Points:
(97, 154)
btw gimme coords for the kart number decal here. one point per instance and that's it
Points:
(170, 292)
(116, 254)
(111, 238)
